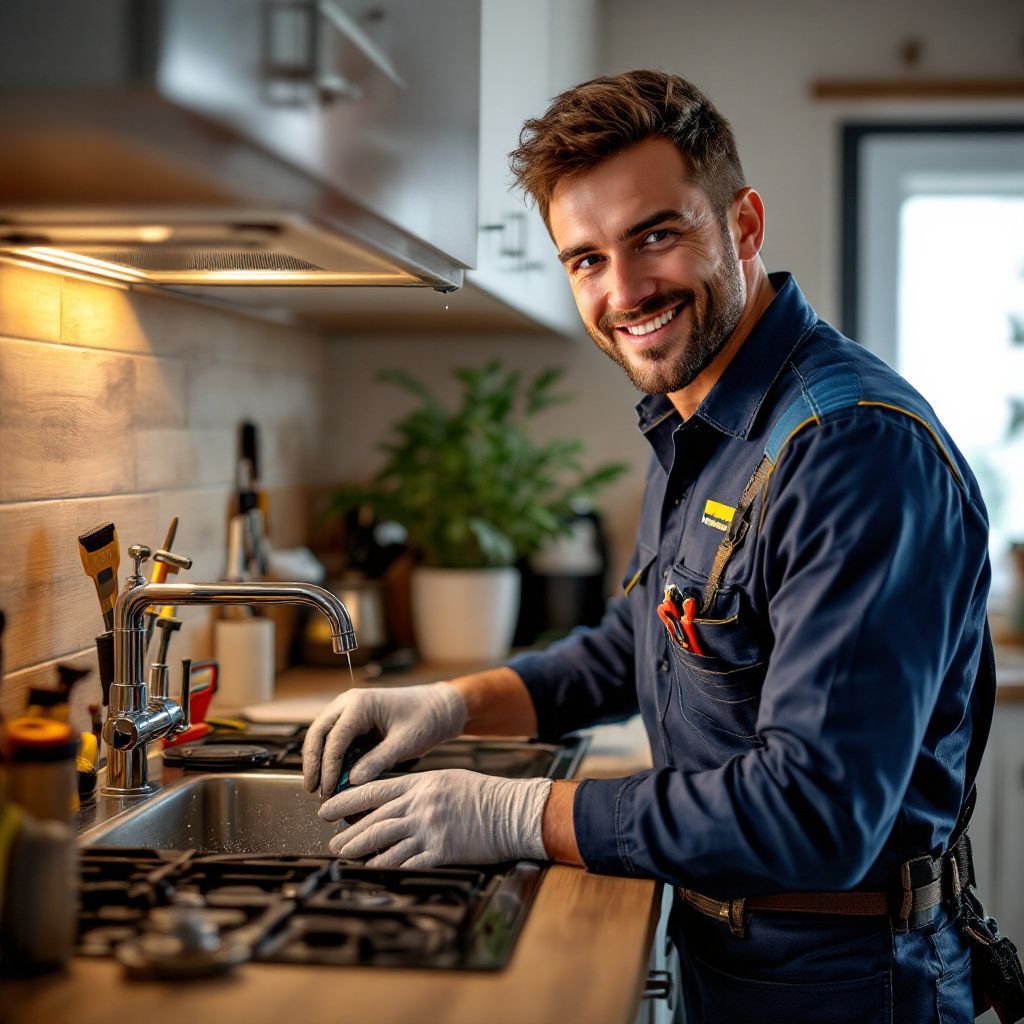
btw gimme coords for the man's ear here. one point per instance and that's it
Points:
(746, 223)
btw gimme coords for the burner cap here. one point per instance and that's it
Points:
(218, 757)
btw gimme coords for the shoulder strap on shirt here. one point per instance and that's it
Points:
(822, 392)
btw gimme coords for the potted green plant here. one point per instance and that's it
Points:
(477, 493)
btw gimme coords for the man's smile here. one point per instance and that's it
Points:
(642, 333)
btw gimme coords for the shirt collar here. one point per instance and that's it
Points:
(732, 404)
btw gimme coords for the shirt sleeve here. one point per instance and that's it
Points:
(586, 678)
(873, 558)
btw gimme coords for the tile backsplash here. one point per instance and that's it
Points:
(121, 405)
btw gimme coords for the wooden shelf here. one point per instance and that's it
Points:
(917, 88)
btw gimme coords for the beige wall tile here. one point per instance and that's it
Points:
(29, 303)
(69, 416)
(51, 605)
(171, 458)
(123, 404)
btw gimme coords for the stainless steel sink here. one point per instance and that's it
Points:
(258, 812)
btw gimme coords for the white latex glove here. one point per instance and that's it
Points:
(452, 816)
(412, 719)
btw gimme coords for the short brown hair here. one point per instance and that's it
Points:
(593, 121)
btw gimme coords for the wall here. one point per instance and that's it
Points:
(124, 406)
(600, 414)
(757, 61)
(121, 405)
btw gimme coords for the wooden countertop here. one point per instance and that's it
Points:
(582, 954)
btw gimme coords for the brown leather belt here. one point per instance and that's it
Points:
(925, 883)
(733, 912)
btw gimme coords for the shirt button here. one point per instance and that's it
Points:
(677, 502)
(663, 666)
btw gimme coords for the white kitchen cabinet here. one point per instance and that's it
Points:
(530, 51)
(998, 826)
(372, 96)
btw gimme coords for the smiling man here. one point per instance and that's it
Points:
(664, 294)
(802, 628)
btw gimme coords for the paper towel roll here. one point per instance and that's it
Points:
(245, 656)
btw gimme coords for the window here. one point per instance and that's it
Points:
(933, 282)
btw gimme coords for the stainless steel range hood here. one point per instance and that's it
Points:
(188, 143)
(201, 247)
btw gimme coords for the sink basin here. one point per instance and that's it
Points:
(259, 812)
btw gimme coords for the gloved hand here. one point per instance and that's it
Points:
(452, 816)
(412, 718)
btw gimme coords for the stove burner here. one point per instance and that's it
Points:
(102, 940)
(385, 939)
(231, 878)
(355, 893)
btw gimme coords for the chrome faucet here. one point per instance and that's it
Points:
(135, 719)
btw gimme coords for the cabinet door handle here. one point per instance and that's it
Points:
(294, 50)
(658, 985)
(348, 28)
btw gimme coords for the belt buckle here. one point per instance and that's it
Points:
(915, 873)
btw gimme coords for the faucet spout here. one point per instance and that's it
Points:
(133, 720)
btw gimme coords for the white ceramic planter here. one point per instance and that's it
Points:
(465, 616)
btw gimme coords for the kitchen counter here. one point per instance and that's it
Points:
(582, 954)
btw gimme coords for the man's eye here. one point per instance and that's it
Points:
(658, 235)
(586, 262)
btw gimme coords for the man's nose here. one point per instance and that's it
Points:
(628, 286)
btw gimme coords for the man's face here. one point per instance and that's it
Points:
(655, 278)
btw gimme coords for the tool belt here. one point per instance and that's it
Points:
(926, 884)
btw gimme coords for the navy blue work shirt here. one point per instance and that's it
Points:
(820, 738)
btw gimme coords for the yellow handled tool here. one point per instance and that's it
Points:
(101, 556)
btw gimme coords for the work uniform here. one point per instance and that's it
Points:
(810, 725)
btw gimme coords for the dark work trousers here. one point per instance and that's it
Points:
(817, 969)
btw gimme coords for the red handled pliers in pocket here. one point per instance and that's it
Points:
(677, 614)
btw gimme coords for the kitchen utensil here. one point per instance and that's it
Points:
(216, 757)
(251, 501)
(168, 625)
(162, 568)
(101, 556)
(180, 942)
(40, 760)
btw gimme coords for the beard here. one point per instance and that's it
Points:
(665, 368)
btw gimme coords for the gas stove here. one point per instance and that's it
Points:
(310, 909)
(279, 748)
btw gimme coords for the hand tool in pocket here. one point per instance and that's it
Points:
(677, 615)
(101, 556)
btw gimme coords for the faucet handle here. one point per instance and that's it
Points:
(185, 698)
(138, 553)
(171, 560)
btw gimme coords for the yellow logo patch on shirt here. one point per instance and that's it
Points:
(717, 515)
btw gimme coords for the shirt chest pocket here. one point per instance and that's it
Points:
(718, 691)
